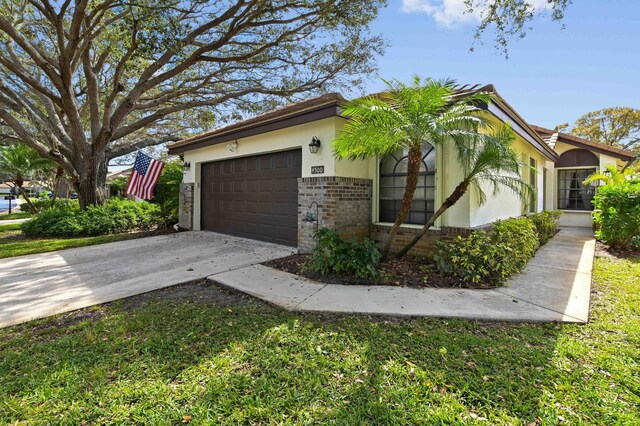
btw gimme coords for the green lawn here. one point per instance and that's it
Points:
(17, 215)
(12, 243)
(222, 359)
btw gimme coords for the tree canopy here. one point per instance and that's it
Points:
(510, 19)
(83, 82)
(617, 126)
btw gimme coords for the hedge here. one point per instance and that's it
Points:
(116, 216)
(488, 259)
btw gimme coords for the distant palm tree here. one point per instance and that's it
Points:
(21, 162)
(428, 111)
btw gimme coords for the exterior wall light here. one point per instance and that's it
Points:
(186, 166)
(314, 145)
(233, 146)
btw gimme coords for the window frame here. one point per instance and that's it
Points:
(398, 201)
(591, 189)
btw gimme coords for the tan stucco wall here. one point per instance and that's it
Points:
(278, 140)
(467, 212)
(506, 203)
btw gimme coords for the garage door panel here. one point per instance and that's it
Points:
(254, 197)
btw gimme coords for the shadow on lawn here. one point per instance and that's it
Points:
(234, 360)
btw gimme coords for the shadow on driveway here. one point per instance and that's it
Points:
(41, 285)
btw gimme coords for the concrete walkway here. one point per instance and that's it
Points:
(12, 221)
(37, 286)
(555, 287)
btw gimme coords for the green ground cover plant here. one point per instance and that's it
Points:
(333, 254)
(211, 357)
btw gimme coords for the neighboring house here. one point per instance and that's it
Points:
(29, 188)
(117, 181)
(258, 178)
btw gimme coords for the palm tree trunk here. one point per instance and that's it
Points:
(457, 193)
(26, 198)
(413, 171)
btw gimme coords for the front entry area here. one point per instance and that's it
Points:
(254, 197)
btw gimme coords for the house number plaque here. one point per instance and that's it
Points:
(317, 170)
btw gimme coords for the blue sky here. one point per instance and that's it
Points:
(552, 76)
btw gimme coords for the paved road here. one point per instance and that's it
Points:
(41, 285)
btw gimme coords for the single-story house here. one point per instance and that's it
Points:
(274, 177)
(7, 187)
(112, 177)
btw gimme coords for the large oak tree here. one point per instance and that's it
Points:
(85, 81)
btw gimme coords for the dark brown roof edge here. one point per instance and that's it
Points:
(311, 109)
(503, 105)
(620, 153)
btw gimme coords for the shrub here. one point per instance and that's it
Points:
(45, 204)
(546, 224)
(617, 214)
(166, 194)
(474, 260)
(333, 254)
(519, 234)
(24, 207)
(117, 215)
(487, 259)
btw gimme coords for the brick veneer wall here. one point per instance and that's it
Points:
(185, 212)
(344, 204)
(426, 245)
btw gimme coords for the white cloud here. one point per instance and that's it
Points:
(450, 13)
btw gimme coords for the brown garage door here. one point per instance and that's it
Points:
(254, 197)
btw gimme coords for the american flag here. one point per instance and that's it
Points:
(144, 176)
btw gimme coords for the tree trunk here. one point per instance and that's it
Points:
(450, 201)
(55, 191)
(413, 171)
(89, 189)
(56, 184)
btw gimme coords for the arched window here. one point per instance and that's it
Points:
(572, 193)
(393, 179)
(577, 158)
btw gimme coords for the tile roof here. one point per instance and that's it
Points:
(623, 154)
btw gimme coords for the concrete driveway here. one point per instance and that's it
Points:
(41, 285)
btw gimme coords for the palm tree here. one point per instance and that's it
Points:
(612, 176)
(21, 162)
(485, 159)
(407, 117)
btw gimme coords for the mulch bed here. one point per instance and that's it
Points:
(602, 250)
(409, 272)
